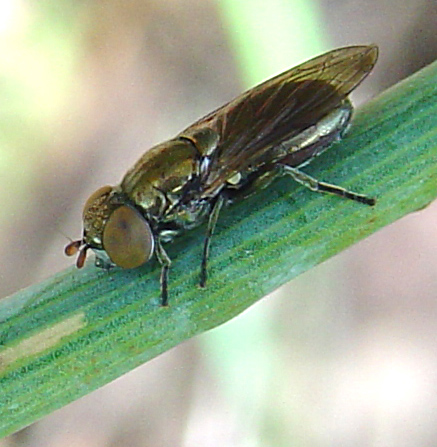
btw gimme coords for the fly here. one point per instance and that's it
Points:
(271, 130)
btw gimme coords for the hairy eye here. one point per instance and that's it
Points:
(128, 238)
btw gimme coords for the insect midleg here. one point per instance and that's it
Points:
(314, 185)
(212, 220)
(165, 262)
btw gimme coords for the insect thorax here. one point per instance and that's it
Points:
(162, 184)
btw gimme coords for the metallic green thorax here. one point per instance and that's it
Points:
(159, 184)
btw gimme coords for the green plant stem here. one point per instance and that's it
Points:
(77, 331)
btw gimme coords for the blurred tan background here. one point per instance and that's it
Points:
(345, 355)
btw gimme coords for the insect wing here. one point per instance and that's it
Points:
(256, 122)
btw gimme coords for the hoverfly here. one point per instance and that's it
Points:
(271, 130)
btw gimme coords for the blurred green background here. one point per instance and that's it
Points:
(345, 354)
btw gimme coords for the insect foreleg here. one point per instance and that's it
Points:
(165, 262)
(212, 220)
(313, 184)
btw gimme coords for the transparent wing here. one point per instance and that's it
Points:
(260, 119)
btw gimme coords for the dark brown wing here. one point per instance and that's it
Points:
(281, 107)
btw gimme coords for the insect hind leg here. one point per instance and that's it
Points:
(314, 185)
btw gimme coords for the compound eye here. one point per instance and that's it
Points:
(128, 238)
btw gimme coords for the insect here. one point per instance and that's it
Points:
(271, 130)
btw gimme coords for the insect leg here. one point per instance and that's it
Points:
(212, 220)
(315, 185)
(165, 262)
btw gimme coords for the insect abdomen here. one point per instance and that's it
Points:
(314, 140)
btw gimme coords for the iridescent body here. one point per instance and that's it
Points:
(271, 130)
